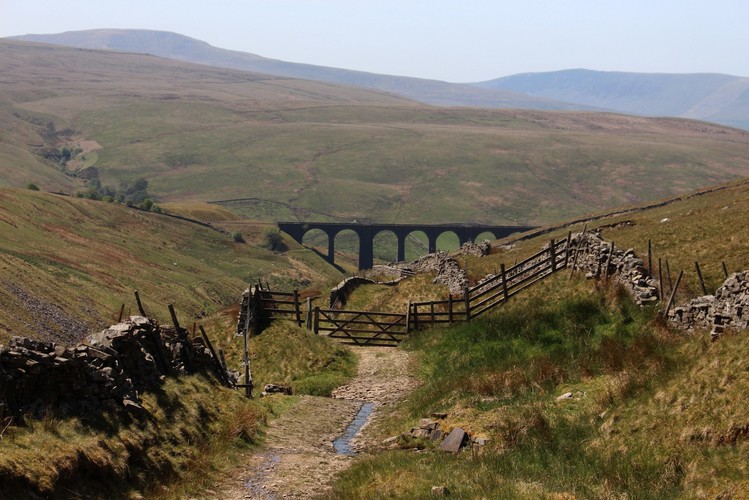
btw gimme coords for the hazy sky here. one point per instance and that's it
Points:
(458, 41)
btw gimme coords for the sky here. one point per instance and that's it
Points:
(456, 41)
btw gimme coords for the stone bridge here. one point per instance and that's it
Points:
(367, 232)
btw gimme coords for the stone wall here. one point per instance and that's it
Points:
(594, 254)
(106, 373)
(728, 308)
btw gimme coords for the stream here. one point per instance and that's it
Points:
(342, 444)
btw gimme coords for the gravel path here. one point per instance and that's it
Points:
(298, 459)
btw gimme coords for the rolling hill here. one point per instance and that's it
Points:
(182, 48)
(713, 97)
(281, 148)
(716, 98)
(67, 265)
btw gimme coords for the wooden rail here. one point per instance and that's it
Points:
(277, 305)
(388, 329)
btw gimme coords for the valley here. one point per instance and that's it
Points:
(568, 390)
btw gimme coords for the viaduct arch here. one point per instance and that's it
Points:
(367, 233)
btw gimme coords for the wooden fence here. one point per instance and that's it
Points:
(280, 305)
(388, 329)
(494, 291)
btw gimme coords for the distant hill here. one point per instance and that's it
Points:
(182, 48)
(712, 97)
(274, 148)
(717, 98)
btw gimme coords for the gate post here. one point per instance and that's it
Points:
(408, 318)
(317, 320)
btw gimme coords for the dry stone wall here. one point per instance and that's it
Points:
(728, 308)
(106, 373)
(599, 258)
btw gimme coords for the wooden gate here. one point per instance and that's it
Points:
(362, 328)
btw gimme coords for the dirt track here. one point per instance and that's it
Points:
(298, 459)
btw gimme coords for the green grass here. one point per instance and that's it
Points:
(287, 354)
(505, 372)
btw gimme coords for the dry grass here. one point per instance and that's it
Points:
(188, 432)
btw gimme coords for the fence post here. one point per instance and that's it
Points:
(567, 249)
(431, 311)
(673, 295)
(317, 320)
(217, 361)
(553, 256)
(725, 270)
(416, 316)
(660, 278)
(450, 308)
(140, 305)
(297, 308)
(668, 275)
(699, 275)
(468, 303)
(309, 313)
(504, 282)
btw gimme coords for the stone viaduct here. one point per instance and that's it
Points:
(367, 232)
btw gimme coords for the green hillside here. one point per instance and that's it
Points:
(290, 148)
(67, 265)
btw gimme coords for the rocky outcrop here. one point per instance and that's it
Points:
(106, 373)
(728, 308)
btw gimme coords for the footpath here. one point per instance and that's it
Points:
(298, 459)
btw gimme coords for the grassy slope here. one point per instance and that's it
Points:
(319, 151)
(68, 264)
(654, 414)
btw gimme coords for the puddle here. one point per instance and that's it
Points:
(342, 444)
